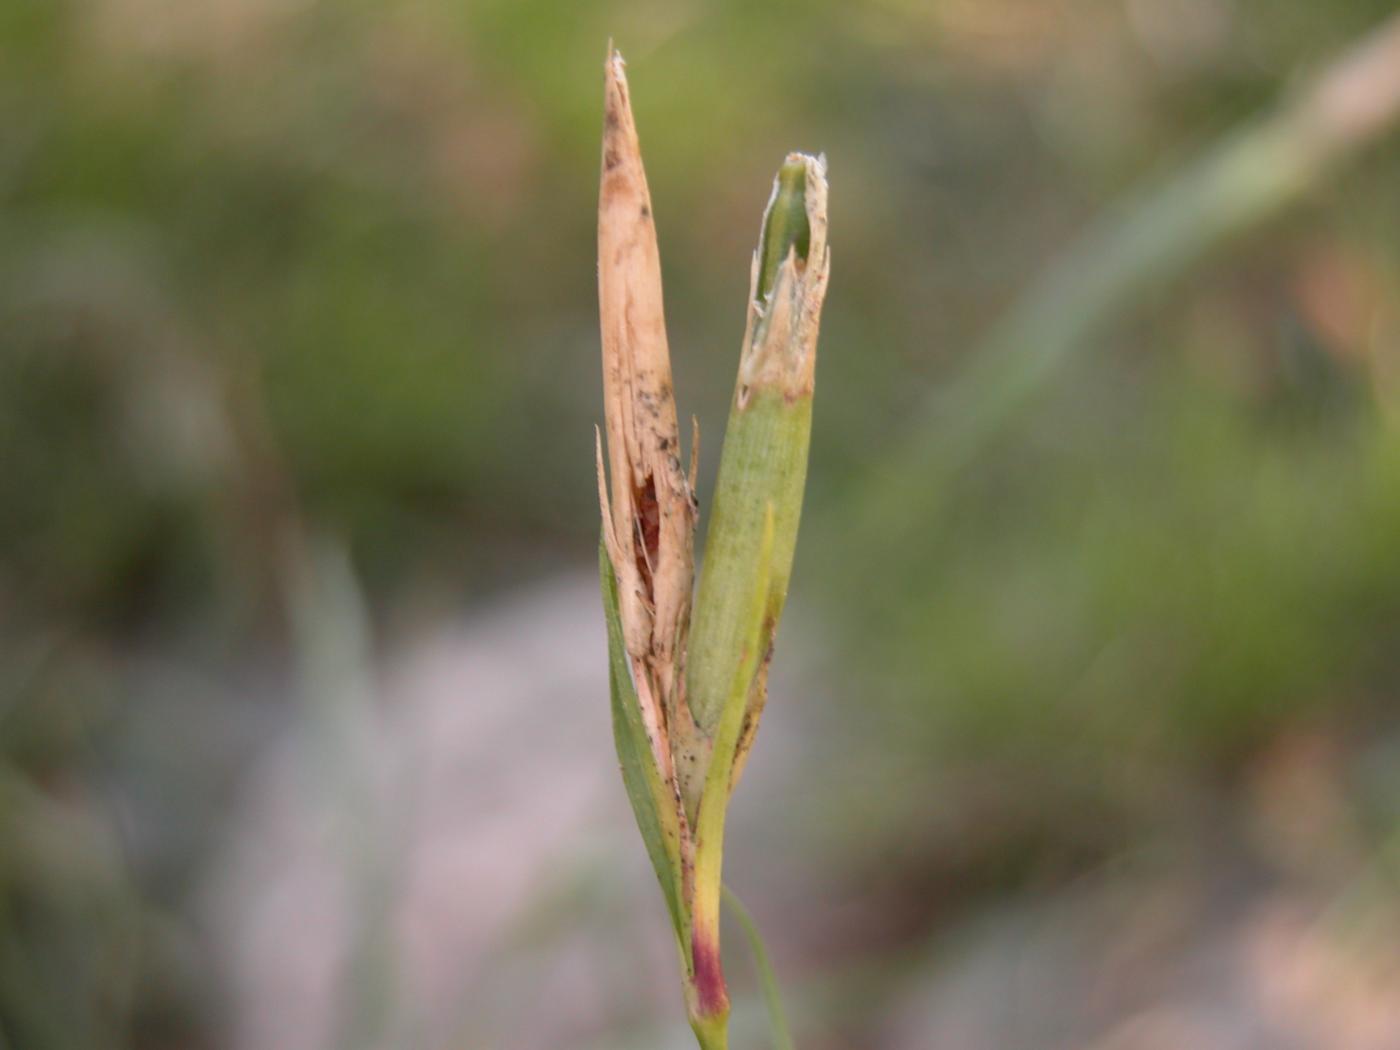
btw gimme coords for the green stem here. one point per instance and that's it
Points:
(708, 997)
(712, 1033)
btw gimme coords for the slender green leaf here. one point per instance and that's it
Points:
(777, 1017)
(652, 803)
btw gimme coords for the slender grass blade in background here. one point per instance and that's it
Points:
(767, 979)
(1143, 243)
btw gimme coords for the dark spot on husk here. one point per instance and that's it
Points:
(648, 526)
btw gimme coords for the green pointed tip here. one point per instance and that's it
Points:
(785, 224)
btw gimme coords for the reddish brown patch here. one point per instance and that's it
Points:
(710, 994)
(648, 529)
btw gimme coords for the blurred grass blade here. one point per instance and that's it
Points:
(331, 624)
(1139, 245)
(652, 804)
(777, 1017)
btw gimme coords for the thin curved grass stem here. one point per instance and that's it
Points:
(777, 1017)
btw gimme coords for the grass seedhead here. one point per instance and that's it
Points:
(686, 700)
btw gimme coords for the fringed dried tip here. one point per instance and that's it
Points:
(787, 283)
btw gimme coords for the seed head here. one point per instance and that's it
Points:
(649, 521)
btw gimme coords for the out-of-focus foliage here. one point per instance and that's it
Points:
(267, 264)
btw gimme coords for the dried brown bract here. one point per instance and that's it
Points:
(649, 521)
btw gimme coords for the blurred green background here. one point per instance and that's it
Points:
(291, 286)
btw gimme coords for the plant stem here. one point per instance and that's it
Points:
(711, 1033)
